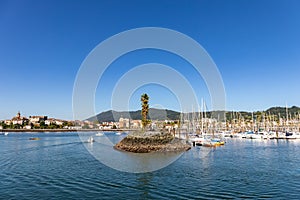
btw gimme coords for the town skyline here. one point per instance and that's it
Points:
(296, 110)
(272, 119)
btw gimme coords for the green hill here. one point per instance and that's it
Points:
(161, 114)
(154, 114)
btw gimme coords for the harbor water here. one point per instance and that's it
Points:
(58, 166)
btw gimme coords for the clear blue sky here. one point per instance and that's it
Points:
(254, 43)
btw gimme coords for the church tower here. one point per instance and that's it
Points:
(19, 115)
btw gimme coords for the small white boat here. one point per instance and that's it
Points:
(99, 134)
(239, 135)
(196, 139)
(6, 133)
(281, 135)
(290, 135)
(272, 135)
(263, 135)
(252, 135)
(297, 135)
(91, 140)
(226, 134)
(118, 133)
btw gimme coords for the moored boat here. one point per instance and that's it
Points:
(213, 142)
(290, 135)
(91, 140)
(99, 134)
(34, 138)
(196, 139)
(252, 135)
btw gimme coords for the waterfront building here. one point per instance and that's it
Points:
(59, 122)
(50, 121)
(136, 124)
(124, 122)
(27, 127)
(37, 119)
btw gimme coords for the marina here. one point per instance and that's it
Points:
(202, 128)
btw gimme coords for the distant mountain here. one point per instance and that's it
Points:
(161, 114)
(273, 111)
(154, 114)
(282, 110)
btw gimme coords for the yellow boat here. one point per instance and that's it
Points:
(34, 138)
(213, 143)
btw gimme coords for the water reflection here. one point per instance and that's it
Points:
(144, 181)
(102, 149)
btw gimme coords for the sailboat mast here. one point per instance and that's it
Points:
(287, 117)
(202, 110)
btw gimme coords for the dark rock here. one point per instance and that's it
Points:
(151, 142)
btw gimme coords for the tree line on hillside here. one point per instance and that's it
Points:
(163, 114)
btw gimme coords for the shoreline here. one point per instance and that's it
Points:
(63, 130)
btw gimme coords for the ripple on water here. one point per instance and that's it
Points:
(60, 167)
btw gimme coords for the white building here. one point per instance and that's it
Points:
(27, 127)
(50, 121)
(124, 122)
(37, 119)
(136, 124)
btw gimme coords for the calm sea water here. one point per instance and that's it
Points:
(59, 166)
